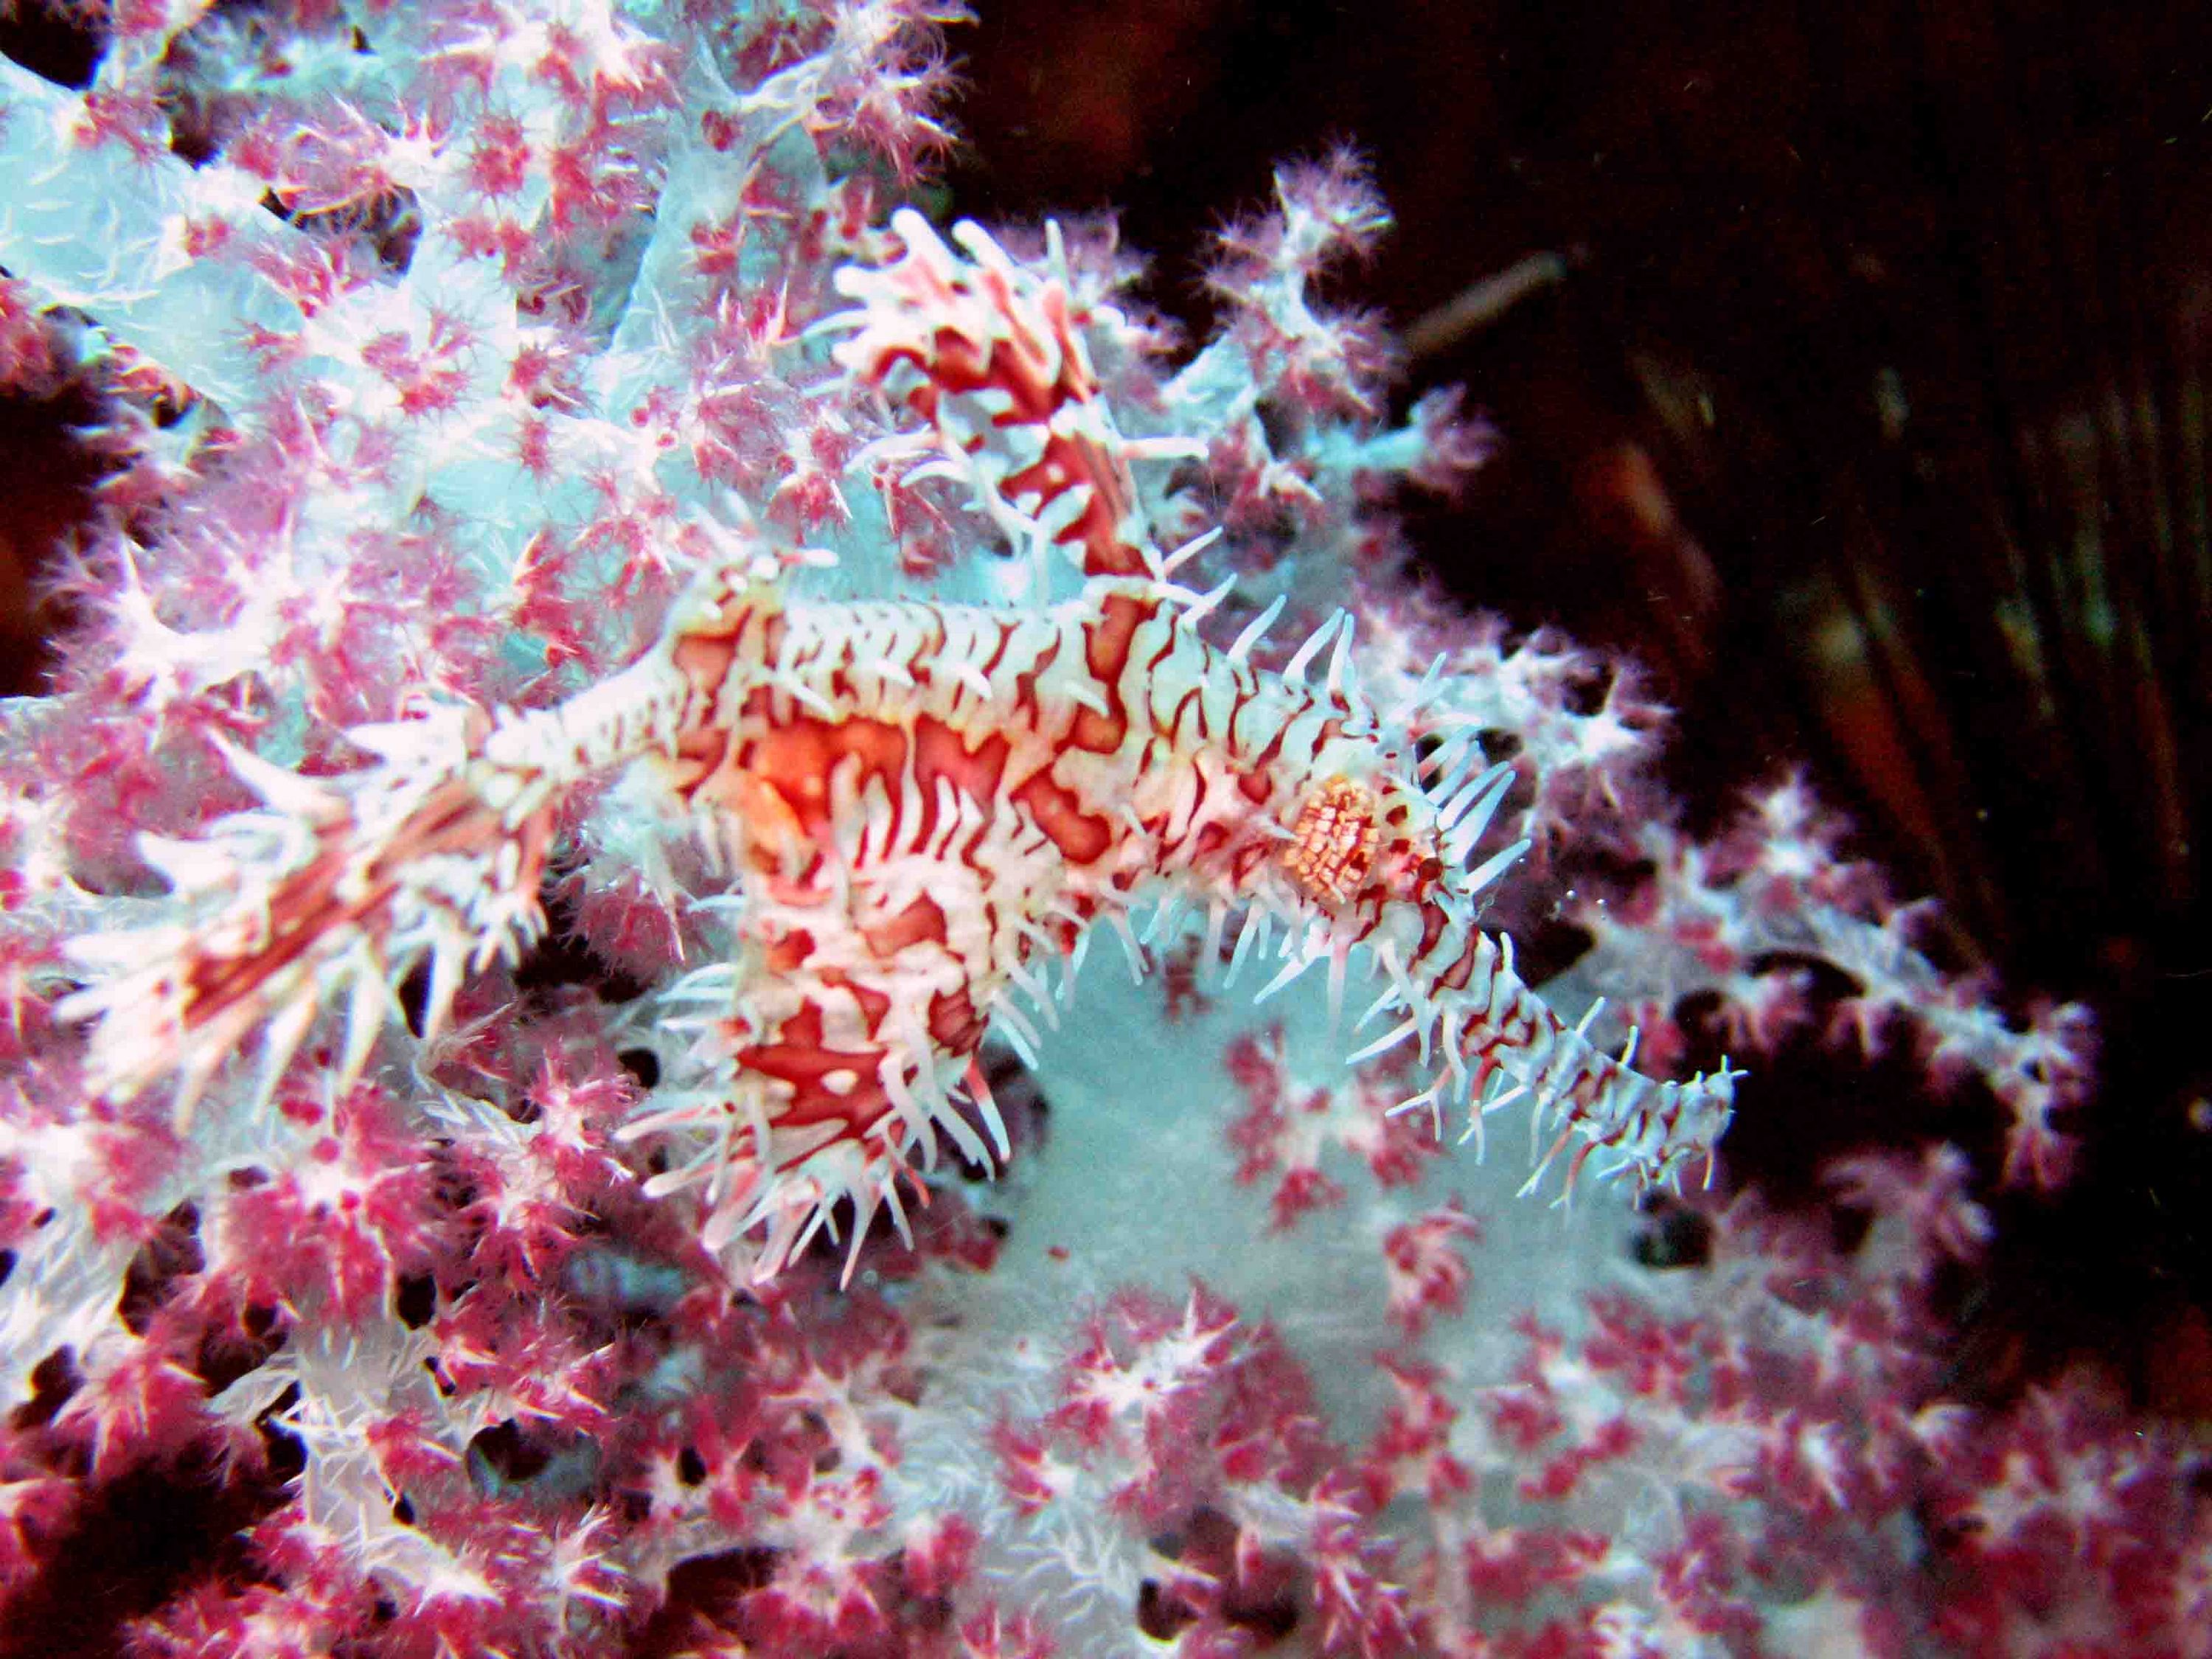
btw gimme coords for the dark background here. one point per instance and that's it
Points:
(1868, 412)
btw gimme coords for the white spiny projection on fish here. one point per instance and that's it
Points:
(920, 807)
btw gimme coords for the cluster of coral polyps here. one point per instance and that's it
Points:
(544, 473)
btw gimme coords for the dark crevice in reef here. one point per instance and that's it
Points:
(140, 1540)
